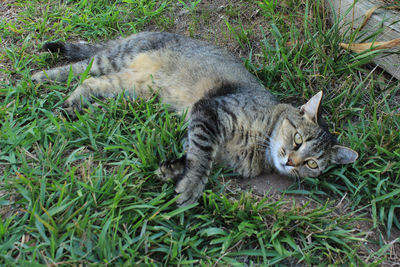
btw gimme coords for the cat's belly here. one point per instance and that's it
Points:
(180, 81)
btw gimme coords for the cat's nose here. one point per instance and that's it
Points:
(293, 160)
(289, 162)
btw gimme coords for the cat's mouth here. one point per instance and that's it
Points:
(286, 168)
(281, 161)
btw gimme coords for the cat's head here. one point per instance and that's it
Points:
(301, 144)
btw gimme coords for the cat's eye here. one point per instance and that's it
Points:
(312, 164)
(298, 140)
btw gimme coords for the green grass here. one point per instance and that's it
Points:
(84, 192)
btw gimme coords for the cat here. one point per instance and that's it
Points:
(233, 119)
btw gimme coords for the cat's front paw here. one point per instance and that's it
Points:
(39, 77)
(70, 107)
(190, 190)
(171, 170)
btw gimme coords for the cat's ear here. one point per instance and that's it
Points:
(344, 155)
(311, 108)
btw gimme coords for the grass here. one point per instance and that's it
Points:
(84, 192)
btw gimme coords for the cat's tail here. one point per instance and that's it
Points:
(77, 51)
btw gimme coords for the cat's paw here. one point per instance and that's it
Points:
(171, 170)
(39, 77)
(70, 107)
(190, 190)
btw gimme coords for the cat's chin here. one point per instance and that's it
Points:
(284, 169)
(278, 162)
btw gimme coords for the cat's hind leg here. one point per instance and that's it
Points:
(107, 86)
(104, 58)
(79, 51)
(60, 74)
(100, 64)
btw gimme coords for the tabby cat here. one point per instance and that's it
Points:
(233, 119)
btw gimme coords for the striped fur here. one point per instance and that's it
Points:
(233, 119)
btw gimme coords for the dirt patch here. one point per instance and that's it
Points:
(273, 185)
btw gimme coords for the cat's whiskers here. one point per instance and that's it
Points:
(297, 177)
(264, 145)
(282, 153)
